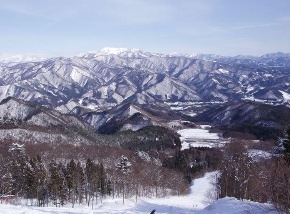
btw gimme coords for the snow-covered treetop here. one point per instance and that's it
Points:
(18, 151)
(124, 165)
(16, 146)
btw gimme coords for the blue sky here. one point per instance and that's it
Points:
(70, 27)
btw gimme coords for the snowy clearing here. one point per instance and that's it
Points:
(199, 138)
(200, 200)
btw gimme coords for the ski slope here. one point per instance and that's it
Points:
(200, 200)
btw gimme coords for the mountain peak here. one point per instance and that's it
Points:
(109, 50)
(123, 52)
(116, 51)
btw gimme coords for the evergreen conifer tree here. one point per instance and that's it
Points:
(18, 165)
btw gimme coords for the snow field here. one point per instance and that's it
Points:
(199, 138)
(233, 206)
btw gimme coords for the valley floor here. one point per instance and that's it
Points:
(200, 200)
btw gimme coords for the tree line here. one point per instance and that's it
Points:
(265, 180)
(62, 181)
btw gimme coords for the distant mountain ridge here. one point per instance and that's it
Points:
(100, 87)
(114, 76)
(21, 58)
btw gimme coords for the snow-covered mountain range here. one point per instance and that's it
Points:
(18, 58)
(91, 84)
(113, 76)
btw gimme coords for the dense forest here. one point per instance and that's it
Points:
(42, 179)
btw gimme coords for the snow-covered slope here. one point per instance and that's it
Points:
(250, 113)
(25, 122)
(200, 200)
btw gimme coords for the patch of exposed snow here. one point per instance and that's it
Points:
(133, 127)
(192, 114)
(79, 76)
(268, 75)
(67, 107)
(286, 96)
(92, 106)
(249, 89)
(144, 155)
(215, 81)
(177, 108)
(133, 110)
(205, 126)
(258, 155)
(175, 124)
(223, 71)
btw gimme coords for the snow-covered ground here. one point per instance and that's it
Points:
(258, 155)
(200, 137)
(234, 206)
(200, 200)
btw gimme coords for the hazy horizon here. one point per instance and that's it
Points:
(44, 56)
